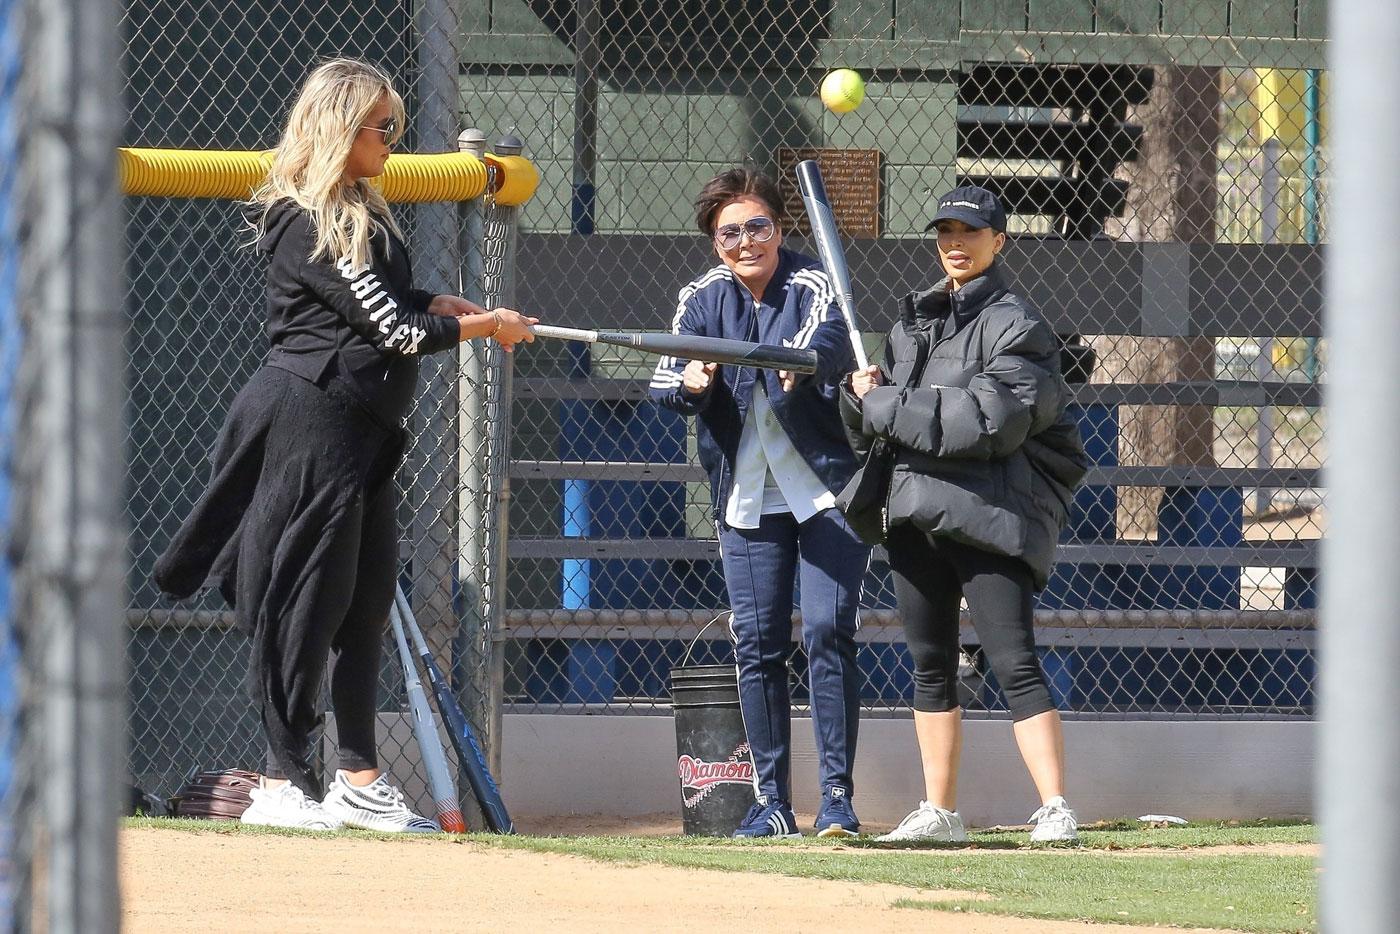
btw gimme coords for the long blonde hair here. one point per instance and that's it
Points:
(308, 166)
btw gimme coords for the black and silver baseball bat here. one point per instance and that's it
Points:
(464, 741)
(814, 197)
(693, 347)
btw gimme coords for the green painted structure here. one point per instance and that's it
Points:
(686, 88)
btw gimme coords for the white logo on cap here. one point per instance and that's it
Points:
(962, 204)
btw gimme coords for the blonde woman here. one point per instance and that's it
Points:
(298, 525)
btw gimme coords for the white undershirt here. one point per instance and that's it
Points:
(769, 475)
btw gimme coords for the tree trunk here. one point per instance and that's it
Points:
(1172, 198)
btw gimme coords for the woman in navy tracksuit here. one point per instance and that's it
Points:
(776, 452)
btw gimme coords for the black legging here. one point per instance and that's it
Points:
(931, 575)
(352, 588)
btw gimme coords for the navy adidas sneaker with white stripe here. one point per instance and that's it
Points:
(376, 806)
(767, 819)
(837, 818)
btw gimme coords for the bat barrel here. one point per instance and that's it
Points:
(814, 198)
(790, 359)
(464, 743)
(809, 180)
(798, 360)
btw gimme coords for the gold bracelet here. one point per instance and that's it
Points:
(499, 322)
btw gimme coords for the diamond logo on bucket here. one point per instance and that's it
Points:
(702, 777)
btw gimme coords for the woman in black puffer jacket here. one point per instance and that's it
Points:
(970, 466)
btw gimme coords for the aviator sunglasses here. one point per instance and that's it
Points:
(759, 229)
(390, 129)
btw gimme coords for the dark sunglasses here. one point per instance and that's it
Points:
(390, 129)
(759, 229)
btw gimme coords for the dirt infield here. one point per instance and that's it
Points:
(175, 881)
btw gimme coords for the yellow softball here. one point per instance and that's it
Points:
(842, 91)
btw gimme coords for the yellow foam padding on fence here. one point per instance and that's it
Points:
(449, 176)
(408, 178)
(519, 177)
(187, 173)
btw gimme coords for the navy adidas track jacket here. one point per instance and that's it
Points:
(798, 309)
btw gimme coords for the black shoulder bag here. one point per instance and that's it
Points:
(865, 499)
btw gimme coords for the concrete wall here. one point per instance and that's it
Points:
(574, 764)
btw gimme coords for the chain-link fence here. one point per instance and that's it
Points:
(1164, 166)
(195, 302)
(1165, 170)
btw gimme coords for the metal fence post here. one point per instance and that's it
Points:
(73, 548)
(14, 780)
(1269, 190)
(471, 680)
(432, 461)
(1358, 781)
(499, 289)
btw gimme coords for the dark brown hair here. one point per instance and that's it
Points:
(729, 185)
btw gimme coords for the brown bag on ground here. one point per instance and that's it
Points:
(222, 794)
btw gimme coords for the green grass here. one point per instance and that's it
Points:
(1131, 834)
(1091, 882)
(1248, 893)
(1241, 892)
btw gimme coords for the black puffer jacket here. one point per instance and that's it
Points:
(968, 436)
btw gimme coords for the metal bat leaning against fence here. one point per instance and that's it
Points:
(464, 741)
(440, 783)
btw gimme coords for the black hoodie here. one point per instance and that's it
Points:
(368, 324)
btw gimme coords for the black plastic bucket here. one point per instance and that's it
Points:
(712, 752)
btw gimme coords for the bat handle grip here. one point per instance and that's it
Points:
(858, 348)
(847, 304)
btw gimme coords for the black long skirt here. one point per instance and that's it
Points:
(296, 529)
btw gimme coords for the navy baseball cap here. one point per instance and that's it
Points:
(974, 206)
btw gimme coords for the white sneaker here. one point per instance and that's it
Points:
(286, 805)
(376, 806)
(1054, 823)
(927, 823)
